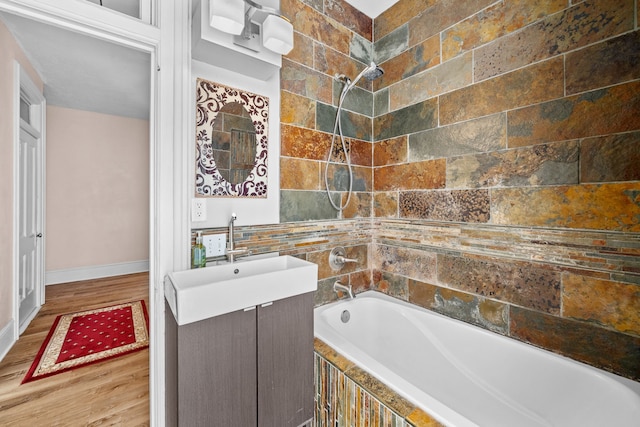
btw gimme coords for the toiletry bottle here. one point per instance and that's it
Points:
(198, 253)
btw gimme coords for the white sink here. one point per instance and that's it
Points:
(201, 293)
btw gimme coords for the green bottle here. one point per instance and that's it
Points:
(198, 253)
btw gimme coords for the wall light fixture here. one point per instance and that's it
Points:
(227, 15)
(253, 24)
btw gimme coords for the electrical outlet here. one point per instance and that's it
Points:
(198, 210)
(215, 244)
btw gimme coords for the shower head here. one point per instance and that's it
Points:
(372, 72)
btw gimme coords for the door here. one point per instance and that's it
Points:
(30, 251)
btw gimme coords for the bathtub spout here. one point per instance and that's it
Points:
(337, 286)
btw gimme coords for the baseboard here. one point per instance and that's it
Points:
(7, 339)
(94, 272)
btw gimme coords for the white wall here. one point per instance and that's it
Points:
(250, 211)
(97, 193)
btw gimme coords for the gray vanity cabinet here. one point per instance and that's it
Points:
(285, 362)
(246, 368)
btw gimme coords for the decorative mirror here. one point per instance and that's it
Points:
(231, 141)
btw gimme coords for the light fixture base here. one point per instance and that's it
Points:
(215, 47)
(250, 39)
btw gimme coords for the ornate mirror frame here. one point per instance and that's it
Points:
(210, 98)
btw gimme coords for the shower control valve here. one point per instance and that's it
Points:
(337, 258)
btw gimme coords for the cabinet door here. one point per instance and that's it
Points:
(285, 362)
(218, 377)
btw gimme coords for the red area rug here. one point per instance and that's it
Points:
(87, 337)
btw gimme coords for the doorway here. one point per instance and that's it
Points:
(100, 91)
(85, 48)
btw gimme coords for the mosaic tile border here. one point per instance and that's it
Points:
(343, 401)
(298, 238)
(614, 253)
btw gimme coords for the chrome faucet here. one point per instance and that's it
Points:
(231, 247)
(231, 243)
(337, 286)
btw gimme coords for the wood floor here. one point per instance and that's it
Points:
(114, 392)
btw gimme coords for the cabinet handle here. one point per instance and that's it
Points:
(267, 304)
(250, 308)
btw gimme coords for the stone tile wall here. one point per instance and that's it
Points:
(506, 169)
(497, 175)
(572, 292)
(331, 37)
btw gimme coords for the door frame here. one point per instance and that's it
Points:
(167, 43)
(22, 84)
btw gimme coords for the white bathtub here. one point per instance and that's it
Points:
(465, 376)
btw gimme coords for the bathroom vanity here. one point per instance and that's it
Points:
(249, 366)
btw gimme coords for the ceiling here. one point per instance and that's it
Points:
(372, 8)
(90, 74)
(84, 72)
